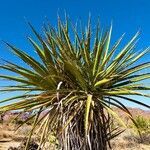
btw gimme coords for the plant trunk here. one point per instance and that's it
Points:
(73, 138)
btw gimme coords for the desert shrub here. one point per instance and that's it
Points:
(18, 121)
(2, 117)
(143, 124)
(141, 130)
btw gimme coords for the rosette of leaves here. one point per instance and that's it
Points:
(72, 89)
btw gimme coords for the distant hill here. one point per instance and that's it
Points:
(134, 111)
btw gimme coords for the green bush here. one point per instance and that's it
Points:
(142, 127)
(143, 124)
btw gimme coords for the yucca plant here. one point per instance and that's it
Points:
(76, 83)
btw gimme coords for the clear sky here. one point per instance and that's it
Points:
(128, 16)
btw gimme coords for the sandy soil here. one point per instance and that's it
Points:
(123, 142)
(126, 141)
(6, 145)
(8, 137)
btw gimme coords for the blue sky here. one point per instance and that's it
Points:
(128, 16)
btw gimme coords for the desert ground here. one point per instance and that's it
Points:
(9, 137)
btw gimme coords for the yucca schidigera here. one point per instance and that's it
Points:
(76, 83)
